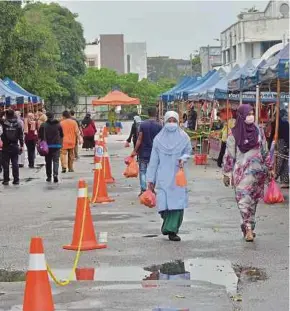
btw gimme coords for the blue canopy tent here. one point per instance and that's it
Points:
(178, 93)
(212, 80)
(235, 84)
(265, 97)
(220, 89)
(190, 89)
(277, 67)
(12, 85)
(11, 97)
(168, 95)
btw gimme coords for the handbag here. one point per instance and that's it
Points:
(42, 146)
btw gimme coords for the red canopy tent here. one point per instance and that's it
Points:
(116, 98)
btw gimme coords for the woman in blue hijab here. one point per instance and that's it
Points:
(171, 149)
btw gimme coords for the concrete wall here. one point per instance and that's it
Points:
(209, 57)
(136, 53)
(112, 52)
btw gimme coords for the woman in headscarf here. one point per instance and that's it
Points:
(282, 169)
(171, 149)
(246, 163)
(30, 137)
(21, 157)
(134, 131)
(89, 130)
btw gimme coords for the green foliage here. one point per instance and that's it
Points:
(196, 60)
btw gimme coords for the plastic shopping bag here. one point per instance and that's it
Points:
(148, 199)
(132, 169)
(128, 160)
(180, 178)
(273, 194)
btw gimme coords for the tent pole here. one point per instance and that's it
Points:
(241, 97)
(257, 104)
(277, 121)
(228, 107)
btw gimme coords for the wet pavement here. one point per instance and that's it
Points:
(212, 268)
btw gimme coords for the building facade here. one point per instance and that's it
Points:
(210, 58)
(92, 53)
(254, 33)
(136, 59)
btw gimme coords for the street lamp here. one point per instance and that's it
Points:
(139, 109)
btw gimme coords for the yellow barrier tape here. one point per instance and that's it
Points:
(76, 261)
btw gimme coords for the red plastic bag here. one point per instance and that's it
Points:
(180, 178)
(132, 169)
(273, 194)
(148, 199)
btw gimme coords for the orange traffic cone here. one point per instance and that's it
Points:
(37, 295)
(109, 179)
(100, 193)
(89, 241)
(85, 274)
(105, 132)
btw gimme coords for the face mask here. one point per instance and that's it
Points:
(250, 120)
(171, 127)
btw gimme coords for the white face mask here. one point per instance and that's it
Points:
(250, 120)
(171, 127)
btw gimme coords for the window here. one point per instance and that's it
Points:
(224, 57)
(128, 63)
(267, 44)
(91, 63)
(234, 53)
(252, 50)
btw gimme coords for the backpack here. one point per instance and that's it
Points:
(11, 131)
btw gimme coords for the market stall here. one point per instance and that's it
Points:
(114, 99)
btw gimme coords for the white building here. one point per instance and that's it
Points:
(254, 33)
(210, 58)
(93, 55)
(136, 59)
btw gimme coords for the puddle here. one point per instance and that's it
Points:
(218, 272)
(249, 274)
(150, 236)
(11, 276)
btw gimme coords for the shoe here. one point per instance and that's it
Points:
(20, 165)
(30, 166)
(63, 170)
(249, 236)
(5, 183)
(55, 179)
(174, 237)
(71, 171)
(16, 182)
(48, 179)
(244, 231)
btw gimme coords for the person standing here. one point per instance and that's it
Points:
(72, 115)
(21, 157)
(148, 130)
(70, 136)
(246, 163)
(41, 117)
(11, 136)
(89, 130)
(30, 137)
(171, 149)
(192, 118)
(134, 131)
(112, 118)
(51, 132)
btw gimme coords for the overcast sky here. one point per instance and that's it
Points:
(174, 28)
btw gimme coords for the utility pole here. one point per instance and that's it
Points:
(208, 59)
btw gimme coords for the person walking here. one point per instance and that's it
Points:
(41, 117)
(72, 115)
(88, 130)
(11, 136)
(282, 169)
(30, 137)
(148, 130)
(51, 132)
(192, 118)
(21, 157)
(70, 136)
(171, 149)
(246, 163)
(134, 131)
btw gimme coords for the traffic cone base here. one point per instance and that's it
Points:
(100, 193)
(37, 295)
(85, 247)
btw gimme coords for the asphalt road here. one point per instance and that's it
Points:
(218, 263)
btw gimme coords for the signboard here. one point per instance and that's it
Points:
(99, 151)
